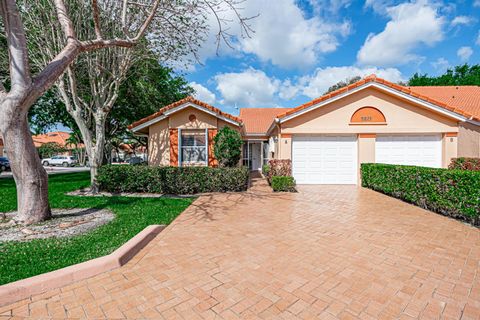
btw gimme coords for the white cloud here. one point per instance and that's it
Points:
(441, 65)
(202, 93)
(285, 37)
(315, 85)
(476, 3)
(282, 33)
(462, 20)
(379, 6)
(254, 88)
(250, 88)
(410, 25)
(477, 42)
(464, 53)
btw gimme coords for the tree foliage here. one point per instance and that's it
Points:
(227, 147)
(50, 149)
(147, 87)
(343, 83)
(462, 75)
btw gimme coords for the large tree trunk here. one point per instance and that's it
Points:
(97, 156)
(30, 176)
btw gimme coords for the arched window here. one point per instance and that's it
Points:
(368, 115)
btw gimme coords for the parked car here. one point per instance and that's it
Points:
(4, 164)
(136, 160)
(65, 161)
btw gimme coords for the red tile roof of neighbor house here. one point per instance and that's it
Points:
(468, 104)
(258, 120)
(59, 137)
(179, 103)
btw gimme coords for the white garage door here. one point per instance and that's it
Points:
(324, 159)
(415, 150)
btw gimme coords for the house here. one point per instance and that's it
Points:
(58, 137)
(2, 148)
(327, 139)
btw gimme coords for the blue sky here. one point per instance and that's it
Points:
(300, 48)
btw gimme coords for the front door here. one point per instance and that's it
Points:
(256, 149)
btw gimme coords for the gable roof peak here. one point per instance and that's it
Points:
(181, 102)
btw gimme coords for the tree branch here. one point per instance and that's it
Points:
(96, 19)
(17, 45)
(64, 20)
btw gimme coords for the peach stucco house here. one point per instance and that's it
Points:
(327, 139)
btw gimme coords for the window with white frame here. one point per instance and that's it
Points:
(193, 147)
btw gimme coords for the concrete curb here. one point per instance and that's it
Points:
(25, 288)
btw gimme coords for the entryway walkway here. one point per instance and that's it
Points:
(327, 252)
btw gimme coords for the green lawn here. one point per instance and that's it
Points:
(19, 260)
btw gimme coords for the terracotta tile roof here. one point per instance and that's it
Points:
(59, 137)
(179, 103)
(259, 120)
(459, 108)
(465, 98)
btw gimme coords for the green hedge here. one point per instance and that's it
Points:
(172, 180)
(454, 193)
(283, 183)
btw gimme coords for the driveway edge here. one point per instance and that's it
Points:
(25, 288)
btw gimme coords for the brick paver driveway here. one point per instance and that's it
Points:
(324, 253)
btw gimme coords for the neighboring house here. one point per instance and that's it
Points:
(2, 148)
(59, 137)
(327, 139)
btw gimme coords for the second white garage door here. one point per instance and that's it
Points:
(416, 150)
(324, 159)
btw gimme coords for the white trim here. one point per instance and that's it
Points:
(474, 122)
(256, 140)
(148, 123)
(406, 96)
(206, 147)
(255, 134)
(179, 147)
(193, 105)
(141, 135)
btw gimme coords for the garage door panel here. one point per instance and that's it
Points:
(420, 150)
(324, 159)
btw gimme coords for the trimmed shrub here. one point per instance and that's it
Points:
(454, 193)
(283, 183)
(227, 147)
(472, 164)
(266, 170)
(172, 180)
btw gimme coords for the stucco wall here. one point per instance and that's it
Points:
(181, 119)
(159, 134)
(159, 144)
(468, 140)
(401, 116)
(1, 151)
(450, 150)
(366, 149)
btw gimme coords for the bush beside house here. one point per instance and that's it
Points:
(172, 180)
(454, 193)
(472, 164)
(279, 175)
(227, 147)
